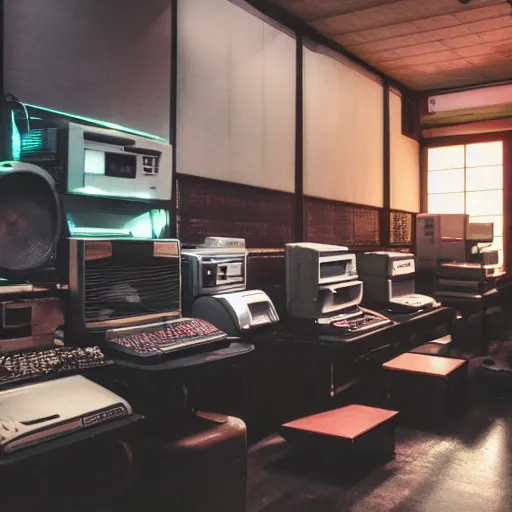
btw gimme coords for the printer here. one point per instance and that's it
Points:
(475, 274)
(214, 287)
(323, 289)
(445, 238)
(389, 282)
(35, 413)
(440, 238)
(465, 279)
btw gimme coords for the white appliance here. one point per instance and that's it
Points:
(322, 286)
(111, 163)
(36, 413)
(214, 287)
(440, 238)
(389, 281)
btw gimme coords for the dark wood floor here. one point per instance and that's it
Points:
(466, 466)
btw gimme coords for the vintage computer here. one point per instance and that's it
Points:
(215, 287)
(101, 192)
(64, 176)
(125, 294)
(446, 238)
(323, 289)
(440, 238)
(389, 282)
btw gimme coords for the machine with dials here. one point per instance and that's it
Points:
(214, 287)
(389, 282)
(323, 290)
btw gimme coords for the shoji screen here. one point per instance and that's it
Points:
(106, 59)
(343, 130)
(405, 162)
(236, 96)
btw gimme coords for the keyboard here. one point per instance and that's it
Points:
(360, 323)
(163, 337)
(23, 366)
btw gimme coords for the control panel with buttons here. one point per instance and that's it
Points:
(150, 165)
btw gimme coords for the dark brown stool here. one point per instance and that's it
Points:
(351, 430)
(439, 347)
(202, 468)
(425, 387)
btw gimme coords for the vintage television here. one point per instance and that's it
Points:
(440, 238)
(214, 287)
(323, 288)
(71, 176)
(125, 294)
(389, 282)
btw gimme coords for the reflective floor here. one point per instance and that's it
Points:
(465, 465)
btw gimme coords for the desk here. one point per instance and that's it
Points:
(298, 374)
(190, 381)
(79, 471)
(478, 314)
(418, 328)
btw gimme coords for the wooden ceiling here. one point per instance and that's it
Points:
(424, 44)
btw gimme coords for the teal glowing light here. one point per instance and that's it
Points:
(104, 124)
(15, 139)
(33, 141)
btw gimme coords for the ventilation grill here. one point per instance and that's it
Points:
(333, 222)
(115, 289)
(400, 228)
(39, 145)
(265, 218)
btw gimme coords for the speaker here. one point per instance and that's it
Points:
(30, 223)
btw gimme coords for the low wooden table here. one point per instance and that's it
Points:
(349, 430)
(438, 347)
(425, 386)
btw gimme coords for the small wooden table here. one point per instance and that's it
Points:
(425, 386)
(353, 428)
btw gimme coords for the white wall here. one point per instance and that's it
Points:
(106, 59)
(343, 131)
(236, 96)
(405, 161)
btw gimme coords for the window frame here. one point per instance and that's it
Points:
(506, 138)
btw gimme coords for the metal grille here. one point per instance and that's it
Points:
(39, 145)
(400, 228)
(337, 223)
(28, 222)
(265, 218)
(118, 289)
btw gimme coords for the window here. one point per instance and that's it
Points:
(468, 179)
